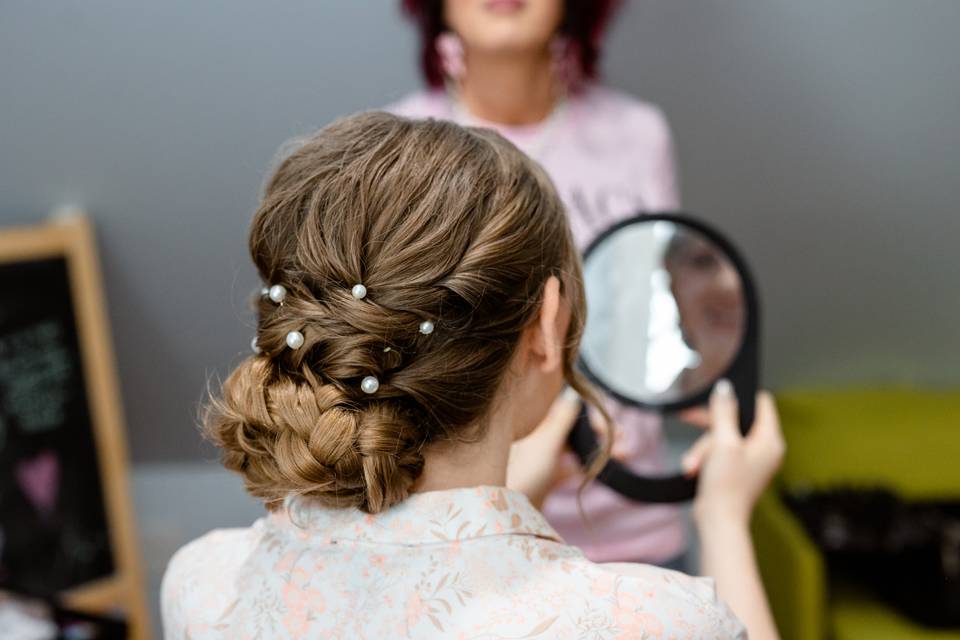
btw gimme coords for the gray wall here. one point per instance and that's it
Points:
(822, 135)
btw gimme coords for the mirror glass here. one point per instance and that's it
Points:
(666, 312)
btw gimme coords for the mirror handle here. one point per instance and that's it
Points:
(617, 476)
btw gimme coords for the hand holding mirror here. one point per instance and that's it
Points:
(671, 309)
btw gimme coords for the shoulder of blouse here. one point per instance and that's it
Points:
(429, 103)
(710, 611)
(593, 100)
(703, 587)
(208, 562)
(614, 107)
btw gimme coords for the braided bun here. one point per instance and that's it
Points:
(442, 224)
(301, 436)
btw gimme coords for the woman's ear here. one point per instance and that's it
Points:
(548, 334)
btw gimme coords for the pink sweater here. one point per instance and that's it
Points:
(610, 157)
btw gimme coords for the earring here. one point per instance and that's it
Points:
(450, 49)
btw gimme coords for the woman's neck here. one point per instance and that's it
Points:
(510, 90)
(457, 465)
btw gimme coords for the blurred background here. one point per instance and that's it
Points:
(822, 136)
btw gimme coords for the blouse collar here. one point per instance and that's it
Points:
(447, 516)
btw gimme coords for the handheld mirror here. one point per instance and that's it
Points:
(671, 309)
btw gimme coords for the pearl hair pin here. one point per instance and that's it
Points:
(277, 293)
(294, 339)
(359, 291)
(370, 384)
(426, 327)
(254, 346)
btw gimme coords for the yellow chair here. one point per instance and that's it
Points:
(904, 440)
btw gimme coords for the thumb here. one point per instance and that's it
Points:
(723, 412)
(564, 411)
(555, 427)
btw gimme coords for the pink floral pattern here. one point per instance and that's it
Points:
(472, 564)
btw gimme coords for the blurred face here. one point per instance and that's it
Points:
(710, 301)
(504, 26)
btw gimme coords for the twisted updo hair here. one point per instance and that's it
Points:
(438, 222)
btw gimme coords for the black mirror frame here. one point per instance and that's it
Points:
(743, 372)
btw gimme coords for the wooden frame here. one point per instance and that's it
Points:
(71, 237)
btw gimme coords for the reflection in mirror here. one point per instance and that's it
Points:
(665, 312)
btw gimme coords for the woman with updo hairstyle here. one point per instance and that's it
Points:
(421, 306)
(529, 69)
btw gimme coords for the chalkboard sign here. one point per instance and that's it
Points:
(53, 523)
(66, 528)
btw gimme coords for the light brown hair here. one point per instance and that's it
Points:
(440, 223)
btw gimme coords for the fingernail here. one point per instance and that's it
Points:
(723, 388)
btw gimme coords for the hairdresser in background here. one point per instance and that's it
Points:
(528, 69)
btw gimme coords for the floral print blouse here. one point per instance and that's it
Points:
(478, 563)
